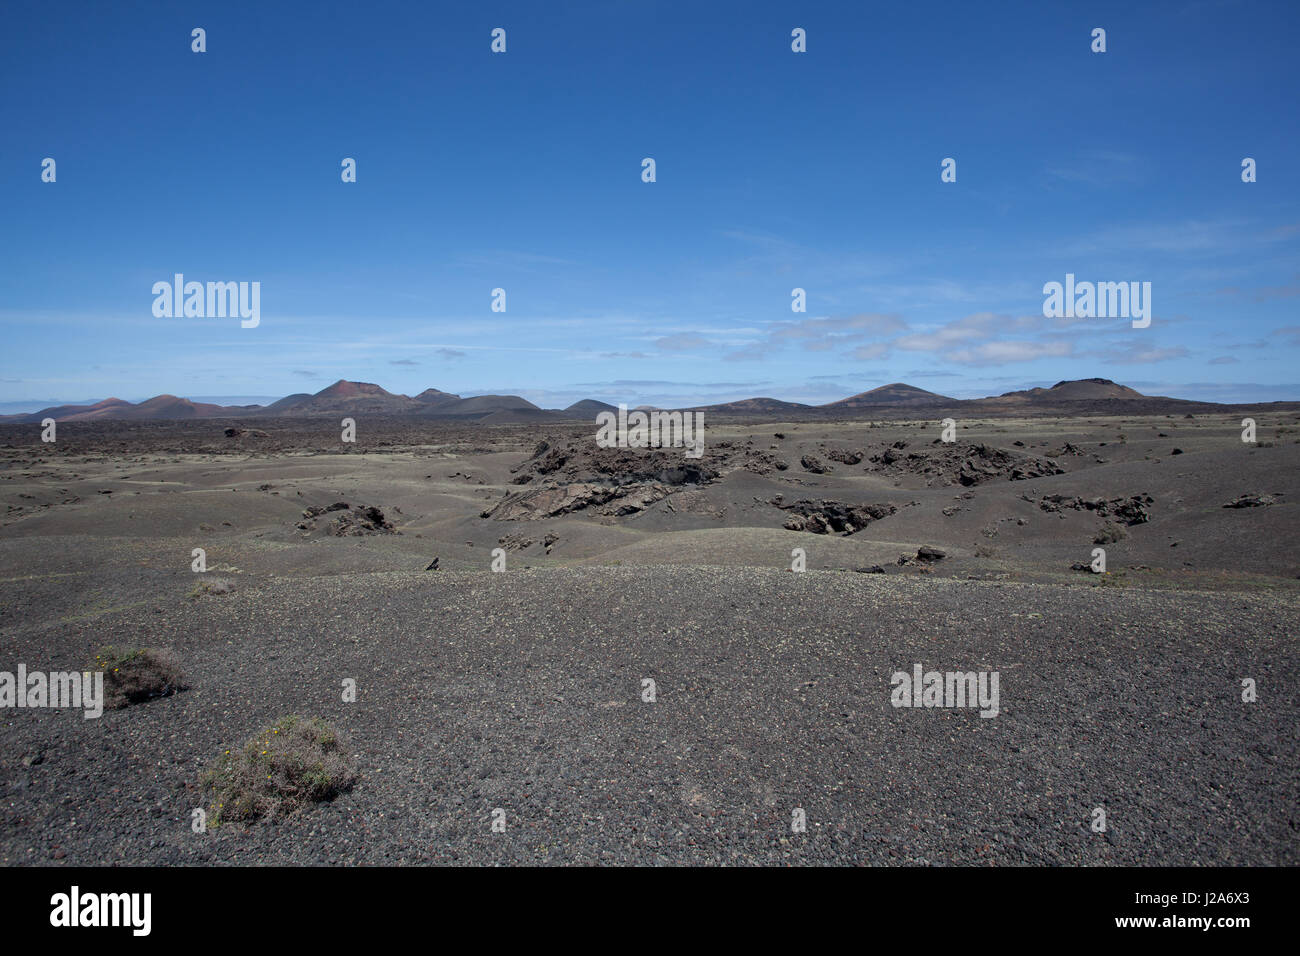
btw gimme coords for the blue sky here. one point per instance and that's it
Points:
(522, 171)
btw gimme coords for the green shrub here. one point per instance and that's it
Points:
(1110, 533)
(211, 586)
(133, 675)
(294, 762)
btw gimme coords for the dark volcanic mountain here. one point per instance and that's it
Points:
(1081, 396)
(1079, 390)
(432, 396)
(483, 404)
(496, 410)
(170, 406)
(286, 403)
(1087, 396)
(64, 413)
(589, 408)
(344, 397)
(345, 389)
(755, 406)
(894, 394)
(158, 408)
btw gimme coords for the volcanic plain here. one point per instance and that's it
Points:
(768, 590)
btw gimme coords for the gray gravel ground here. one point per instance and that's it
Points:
(522, 691)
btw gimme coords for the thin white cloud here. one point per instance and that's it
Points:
(998, 353)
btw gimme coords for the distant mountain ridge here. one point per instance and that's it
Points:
(345, 396)
(1079, 390)
(755, 406)
(590, 408)
(895, 393)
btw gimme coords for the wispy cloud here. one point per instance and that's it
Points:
(1099, 167)
(682, 342)
(1138, 353)
(999, 353)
